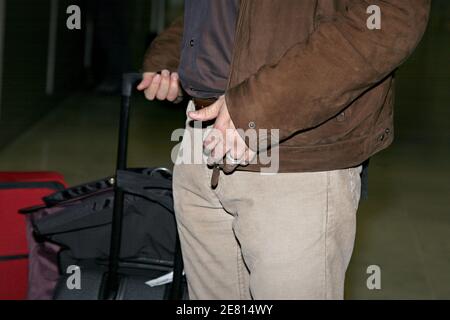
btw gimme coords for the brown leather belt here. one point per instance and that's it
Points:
(203, 103)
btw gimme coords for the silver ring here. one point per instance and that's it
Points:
(231, 160)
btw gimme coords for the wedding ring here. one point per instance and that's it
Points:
(231, 160)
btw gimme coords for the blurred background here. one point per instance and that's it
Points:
(59, 111)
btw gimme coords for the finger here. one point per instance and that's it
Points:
(238, 150)
(216, 145)
(174, 89)
(206, 114)
(220, 149)
(147, 78)
(249, 157)
(164, 85)
(217, 154)
(211, 141)
(150, 93)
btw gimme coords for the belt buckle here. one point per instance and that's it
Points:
(203, 103)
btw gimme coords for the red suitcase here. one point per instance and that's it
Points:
(19, 190)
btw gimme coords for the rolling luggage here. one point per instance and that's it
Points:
(21, 277)
(118, 234)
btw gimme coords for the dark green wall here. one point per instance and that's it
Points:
(422, 108)
(27, 22)
(24, 98)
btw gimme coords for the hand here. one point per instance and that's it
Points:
(164, 86)
(224, 137)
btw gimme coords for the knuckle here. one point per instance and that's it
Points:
(148, 95)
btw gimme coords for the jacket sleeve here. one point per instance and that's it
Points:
(164, 52)
(316, 80)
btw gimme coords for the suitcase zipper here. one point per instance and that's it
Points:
(16, 257)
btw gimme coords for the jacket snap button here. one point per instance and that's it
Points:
(381, 138)
(388, 131)
(341, 117)
(252, 125)
(191, 43)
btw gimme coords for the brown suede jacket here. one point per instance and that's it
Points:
(313, 70)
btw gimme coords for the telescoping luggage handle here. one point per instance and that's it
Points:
(111, 283)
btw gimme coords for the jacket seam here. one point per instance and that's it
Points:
(368, 136)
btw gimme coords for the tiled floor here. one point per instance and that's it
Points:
(404, 227)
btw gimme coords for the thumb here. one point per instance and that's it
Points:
(206, 114)
(146, 80)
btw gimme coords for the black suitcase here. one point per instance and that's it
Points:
(115, 278)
